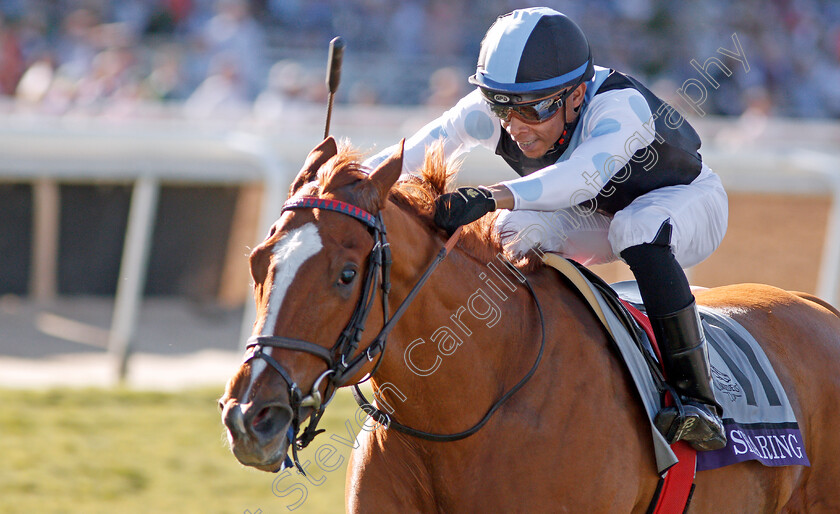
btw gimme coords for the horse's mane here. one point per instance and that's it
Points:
(416, 194)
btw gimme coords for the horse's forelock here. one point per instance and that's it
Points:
(344, 171)
(415, 193)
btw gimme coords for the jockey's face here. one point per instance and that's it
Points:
(535, 139)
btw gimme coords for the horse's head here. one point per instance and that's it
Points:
(324, 255)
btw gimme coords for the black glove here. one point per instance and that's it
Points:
(465, 205)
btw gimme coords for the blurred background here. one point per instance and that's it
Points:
(133, 58)
(145, 146)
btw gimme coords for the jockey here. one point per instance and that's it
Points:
(608, 171)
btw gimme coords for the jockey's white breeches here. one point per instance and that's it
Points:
(698, 213)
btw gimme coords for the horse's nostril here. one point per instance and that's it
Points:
(270, 420)
(261, 416)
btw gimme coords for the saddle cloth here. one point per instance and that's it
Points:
(759, 421)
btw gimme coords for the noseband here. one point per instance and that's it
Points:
(341, 365)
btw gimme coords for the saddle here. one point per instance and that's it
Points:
(757, 415)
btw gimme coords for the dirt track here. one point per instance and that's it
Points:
(772, 239)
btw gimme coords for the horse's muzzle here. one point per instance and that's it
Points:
(257, 433)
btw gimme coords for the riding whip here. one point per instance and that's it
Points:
(333, 75)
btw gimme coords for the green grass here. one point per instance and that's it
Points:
(107, 451)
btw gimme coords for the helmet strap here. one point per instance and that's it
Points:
(563, 142)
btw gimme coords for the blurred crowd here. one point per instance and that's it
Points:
(220, 58)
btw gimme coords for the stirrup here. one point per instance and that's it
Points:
(692, 422)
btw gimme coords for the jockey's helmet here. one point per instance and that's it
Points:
(530, 54)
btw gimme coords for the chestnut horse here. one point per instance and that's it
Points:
(574, 438)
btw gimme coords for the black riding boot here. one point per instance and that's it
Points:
(673, 315)
(686, 361)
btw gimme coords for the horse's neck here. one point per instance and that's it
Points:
(454, 349)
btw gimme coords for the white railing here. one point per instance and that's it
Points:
(147, 154)
(144, 154)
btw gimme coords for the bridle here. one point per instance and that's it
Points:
(341, 364)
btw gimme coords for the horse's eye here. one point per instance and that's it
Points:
(347, 276)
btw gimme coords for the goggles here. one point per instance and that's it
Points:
(531, 112)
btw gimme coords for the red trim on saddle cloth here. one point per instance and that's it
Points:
(677, 483)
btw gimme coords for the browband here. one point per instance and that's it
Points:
(310, 202)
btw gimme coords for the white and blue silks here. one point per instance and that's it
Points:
(614, 125)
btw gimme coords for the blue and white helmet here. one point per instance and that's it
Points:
(529, 54)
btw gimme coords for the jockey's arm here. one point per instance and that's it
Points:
(503, 196)
(613, 127)
(460, 129)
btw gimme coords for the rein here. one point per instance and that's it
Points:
(341, 366)
(384, 419)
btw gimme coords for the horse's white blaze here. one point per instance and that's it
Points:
(290, 252)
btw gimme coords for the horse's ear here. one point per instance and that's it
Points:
(387, 173)
(316, 158)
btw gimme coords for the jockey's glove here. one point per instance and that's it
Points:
(463, 206)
